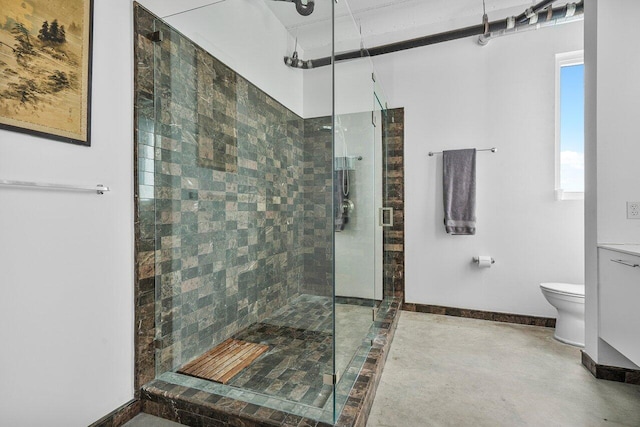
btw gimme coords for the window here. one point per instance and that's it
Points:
(570, 126)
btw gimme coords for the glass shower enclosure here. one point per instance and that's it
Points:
(262, 176)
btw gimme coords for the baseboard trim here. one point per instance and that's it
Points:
(120, 416)
(610, 373)
(519, 319)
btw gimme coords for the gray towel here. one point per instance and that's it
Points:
(459, 185)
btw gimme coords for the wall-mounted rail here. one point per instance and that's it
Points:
(493, 150)
(98, 189)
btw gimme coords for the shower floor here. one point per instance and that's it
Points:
(300, 343)
(224, 361)
(194, 401)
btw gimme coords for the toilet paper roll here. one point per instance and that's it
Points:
(484, 261)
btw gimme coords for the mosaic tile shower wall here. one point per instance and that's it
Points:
(144, 124)
(223, 167)
(233, 219)
(241, 186)
(318, 207)
(393, 175)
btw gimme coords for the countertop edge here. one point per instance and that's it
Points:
(624, 248)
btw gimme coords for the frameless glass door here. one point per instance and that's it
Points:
(243, 252)
(358, 195)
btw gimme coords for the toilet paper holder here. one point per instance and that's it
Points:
(477, 260)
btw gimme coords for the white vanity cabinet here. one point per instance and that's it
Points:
(619, 298)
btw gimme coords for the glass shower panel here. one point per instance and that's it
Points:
(243, 196)
(355, 245)
(357, 151)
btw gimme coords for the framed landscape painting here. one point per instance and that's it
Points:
(45, 68)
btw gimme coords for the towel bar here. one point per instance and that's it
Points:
(99, 189)
(493, 150)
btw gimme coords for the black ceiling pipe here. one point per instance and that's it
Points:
(474, 30)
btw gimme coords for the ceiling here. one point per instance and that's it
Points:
(376, 22)
(371, 22)
(363, 10)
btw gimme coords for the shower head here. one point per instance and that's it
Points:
(304, 7)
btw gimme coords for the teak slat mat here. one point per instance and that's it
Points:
(224, 361)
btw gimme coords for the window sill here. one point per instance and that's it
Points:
(568, 195)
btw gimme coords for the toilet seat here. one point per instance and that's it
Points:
(564, 289)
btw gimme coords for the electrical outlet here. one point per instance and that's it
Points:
(633, 210)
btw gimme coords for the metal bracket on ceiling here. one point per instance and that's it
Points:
(485, 19)
(529, 13)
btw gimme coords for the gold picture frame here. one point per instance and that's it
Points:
(45, 68)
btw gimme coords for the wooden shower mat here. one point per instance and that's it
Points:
(224, 361)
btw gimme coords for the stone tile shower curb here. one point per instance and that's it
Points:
(200, 408)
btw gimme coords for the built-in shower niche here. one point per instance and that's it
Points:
(236, 226)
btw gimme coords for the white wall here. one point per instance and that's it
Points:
(247, 37)
(353, 89)
(459, 95)
(612, 104)
(66, 259)
(618, 106)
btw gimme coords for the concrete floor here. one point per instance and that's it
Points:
(447, 371)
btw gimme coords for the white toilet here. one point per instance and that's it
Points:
(568, 299)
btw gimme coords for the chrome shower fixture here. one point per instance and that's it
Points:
(304, 7)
